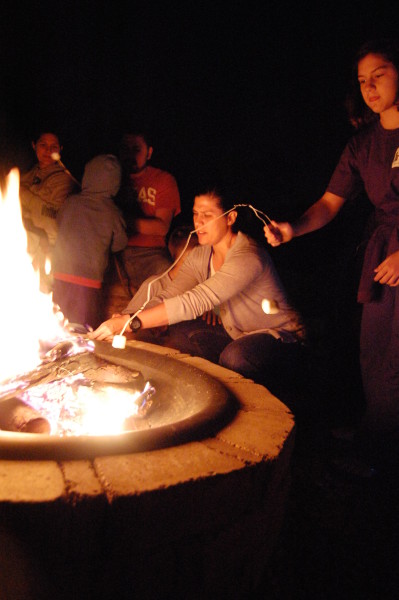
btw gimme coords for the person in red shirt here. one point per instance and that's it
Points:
(149, 199)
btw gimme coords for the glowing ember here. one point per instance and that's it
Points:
(36, 339)
(73, 407)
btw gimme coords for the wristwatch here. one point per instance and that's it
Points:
(135, 324)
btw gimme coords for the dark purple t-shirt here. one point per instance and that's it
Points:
(370, 162)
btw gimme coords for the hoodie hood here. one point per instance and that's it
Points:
(102, 175)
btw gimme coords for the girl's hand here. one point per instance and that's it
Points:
(388, 271)
(109, 328)
(278, 233)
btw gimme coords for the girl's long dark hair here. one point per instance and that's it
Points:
(358, 112)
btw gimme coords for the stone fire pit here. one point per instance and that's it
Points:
(194, 520)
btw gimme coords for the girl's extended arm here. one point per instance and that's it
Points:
(318, 215)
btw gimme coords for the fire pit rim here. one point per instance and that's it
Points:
(217, 409)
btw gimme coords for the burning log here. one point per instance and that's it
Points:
(59, 364)
(71, 393)
(16, 415)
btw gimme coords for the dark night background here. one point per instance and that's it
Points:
(252, 91)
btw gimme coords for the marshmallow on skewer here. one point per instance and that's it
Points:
(57, 158)
(270, 307)
(119, 341)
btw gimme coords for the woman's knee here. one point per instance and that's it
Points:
(262, 358)
(235, 357)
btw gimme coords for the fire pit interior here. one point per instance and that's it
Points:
(186, 404)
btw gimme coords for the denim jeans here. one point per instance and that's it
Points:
(258, 356)
(379, 359)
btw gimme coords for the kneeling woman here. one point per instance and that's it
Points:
(231, 274)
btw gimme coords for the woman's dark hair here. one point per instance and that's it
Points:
(359, 114)
(219, 191)
(36, 135)
(228, 198)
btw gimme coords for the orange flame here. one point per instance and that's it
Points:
(26, 314)
(27, 317)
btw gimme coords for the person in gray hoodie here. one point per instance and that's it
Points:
(90, 227)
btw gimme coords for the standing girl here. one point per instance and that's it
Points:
(370, 162)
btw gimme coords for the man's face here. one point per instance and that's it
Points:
(134, 153)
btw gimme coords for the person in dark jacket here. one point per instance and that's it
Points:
(90, 226)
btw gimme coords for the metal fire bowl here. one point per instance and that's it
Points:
(188, 405)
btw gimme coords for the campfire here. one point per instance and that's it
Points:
(50, 380)
(84, 398)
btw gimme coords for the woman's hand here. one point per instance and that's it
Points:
(109, 328)
(388, 271)
(278, 233)
(211, 318)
